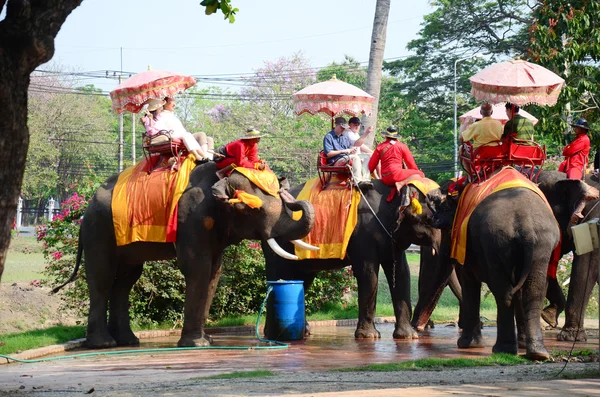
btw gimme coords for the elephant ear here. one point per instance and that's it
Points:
(570, 198)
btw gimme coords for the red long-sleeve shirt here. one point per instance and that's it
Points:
(576, 157)
(242, 153)
(393, 155)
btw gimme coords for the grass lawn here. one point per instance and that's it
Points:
(24, 261)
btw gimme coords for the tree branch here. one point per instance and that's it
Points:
(29, 29)
(526, 21)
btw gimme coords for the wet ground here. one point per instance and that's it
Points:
(328, 348)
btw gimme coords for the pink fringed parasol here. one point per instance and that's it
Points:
(332, 97)
(136, 90)
(499, 114)
(516, 81)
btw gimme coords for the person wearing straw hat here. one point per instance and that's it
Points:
(154, 108)
(397, 162)
(240, 153)
(577, 152)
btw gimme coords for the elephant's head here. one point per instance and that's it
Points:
(263, 216)
(422, 224)
(567, 197)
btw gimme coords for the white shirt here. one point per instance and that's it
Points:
(353, 137)
(170, 122)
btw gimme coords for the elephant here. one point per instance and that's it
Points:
(510, 235)
(569, 199)
(206, 224)
(369, 247)
(566, 199)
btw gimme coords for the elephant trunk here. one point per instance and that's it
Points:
(287, 228)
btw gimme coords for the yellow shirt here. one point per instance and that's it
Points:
(483, 132)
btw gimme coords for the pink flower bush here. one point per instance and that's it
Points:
(57, 255)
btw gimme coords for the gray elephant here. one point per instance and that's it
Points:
(206, 225)
(510, 237)
(369, 247)
(572, 200)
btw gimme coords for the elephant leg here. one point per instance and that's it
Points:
(399, 283)
(469, 310)
(118, 321)
(197, 273)
(366, 279)
(454, 285)
(433, 278)
(521, 319)
(557, 300)
(100, 274)
(584, 274)
(531, 300)
(212, 288)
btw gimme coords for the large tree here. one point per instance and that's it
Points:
(27, 35)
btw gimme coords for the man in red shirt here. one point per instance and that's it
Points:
(577, 152)
(397, 162)
(240, 153)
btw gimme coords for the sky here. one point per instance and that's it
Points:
(177, 36)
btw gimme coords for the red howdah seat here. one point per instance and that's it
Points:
(162, 144)
(326, 171)
(483, 161)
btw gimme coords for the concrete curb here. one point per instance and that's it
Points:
(236, 330)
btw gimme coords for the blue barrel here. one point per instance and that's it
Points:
(285, 311)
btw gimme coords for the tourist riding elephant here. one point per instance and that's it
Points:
(565, 197)
(206, 224)
(510, 237)
(369, 247)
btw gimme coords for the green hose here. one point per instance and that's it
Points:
(272, 345)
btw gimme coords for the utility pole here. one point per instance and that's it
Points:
(132, 138)
(120, 137)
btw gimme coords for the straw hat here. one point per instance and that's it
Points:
(251, 133)
(154, 104)
(390, 132)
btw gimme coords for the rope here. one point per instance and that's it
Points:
(371, 208)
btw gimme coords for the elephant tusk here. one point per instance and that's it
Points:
(305, 246)
(280, 251)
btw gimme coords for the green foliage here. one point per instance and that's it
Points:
(211, 7)
(565, 38)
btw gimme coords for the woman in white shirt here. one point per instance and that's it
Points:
(169, 121)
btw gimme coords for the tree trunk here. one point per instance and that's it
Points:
(382, 11)
(13, 146)
(27, 35)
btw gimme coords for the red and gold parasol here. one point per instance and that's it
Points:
(152, 84)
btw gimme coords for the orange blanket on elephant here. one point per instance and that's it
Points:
(473, 194)
(144, 204)
(336, 214)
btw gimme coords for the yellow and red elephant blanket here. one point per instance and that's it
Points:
(336, 215)
(473, 194)
(144, 205)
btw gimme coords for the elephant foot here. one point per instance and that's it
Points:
(536, 351)
(367, 332)
(505, 347)
(191, 341)
(550, 315)
(100, 341)
(307, 329)
(572, 334)
(469, 341)
(125, 337)
(407, 332)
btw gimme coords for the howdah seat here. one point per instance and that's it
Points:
(326, 171)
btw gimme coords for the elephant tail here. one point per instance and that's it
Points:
(77, 264)
(527, 268)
